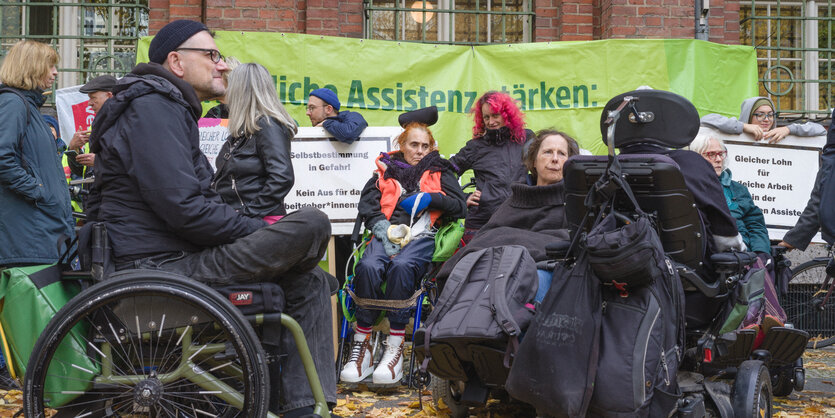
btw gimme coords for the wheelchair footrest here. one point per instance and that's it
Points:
(785, 345)
(740, 349)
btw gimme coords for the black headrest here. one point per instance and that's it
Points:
(672, 121)
(427, 116)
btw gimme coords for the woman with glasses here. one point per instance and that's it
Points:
(749, 218)
(757, 118)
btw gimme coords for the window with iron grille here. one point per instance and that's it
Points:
(794, 53)
(449, 21)
(92, 37)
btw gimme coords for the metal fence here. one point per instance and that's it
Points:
(794, 45)
(463, 22)
(92, 38)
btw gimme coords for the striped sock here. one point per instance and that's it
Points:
(363, 330)
(397, 332)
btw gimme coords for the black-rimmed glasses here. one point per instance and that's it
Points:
(213, 54)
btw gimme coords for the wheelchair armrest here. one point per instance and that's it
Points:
(557, 250)
(732, 262)
(710, 290)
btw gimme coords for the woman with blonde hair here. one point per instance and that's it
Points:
(34, 200)
(254, 171)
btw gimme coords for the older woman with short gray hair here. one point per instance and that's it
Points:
(749, 217)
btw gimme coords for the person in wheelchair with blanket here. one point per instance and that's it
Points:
(152, 192)
(410, 194)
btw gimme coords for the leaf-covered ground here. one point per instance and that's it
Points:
(399, 402)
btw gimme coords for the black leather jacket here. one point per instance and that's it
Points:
(255, 173)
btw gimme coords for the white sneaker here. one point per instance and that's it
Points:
(390, 369)
(359, 364)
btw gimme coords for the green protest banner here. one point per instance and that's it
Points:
(561, 85)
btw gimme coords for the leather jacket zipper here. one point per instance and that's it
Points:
(235, 188)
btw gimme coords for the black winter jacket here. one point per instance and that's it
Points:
(533, 217)
(346, 126)
(152, 181)
(453, 204)
(255, 174)
(495, 167)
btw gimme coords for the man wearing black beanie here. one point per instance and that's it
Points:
(152, 191)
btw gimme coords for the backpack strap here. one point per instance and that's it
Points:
(6, 89)
(511, 257)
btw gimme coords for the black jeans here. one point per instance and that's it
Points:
(286, 252)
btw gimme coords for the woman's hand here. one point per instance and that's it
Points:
(474, 198)
(754, 130)
(776, 135)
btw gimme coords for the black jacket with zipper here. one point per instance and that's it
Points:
(152, 181)
(255, 173)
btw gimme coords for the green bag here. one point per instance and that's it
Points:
(29, 298)
(747, 306)
(447, 240)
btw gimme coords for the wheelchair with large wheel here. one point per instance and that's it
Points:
(153, 343)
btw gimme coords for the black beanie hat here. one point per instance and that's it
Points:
(172, 36)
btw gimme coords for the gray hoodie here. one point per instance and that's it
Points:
(734, 125)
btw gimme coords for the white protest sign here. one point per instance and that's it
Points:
(329, 174)
(779, 176)
(73, 112)
(213, 134)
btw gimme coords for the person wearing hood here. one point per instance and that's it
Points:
(34, 199)
(758, 119)
(412, 192)
(495, 156)
(152, 191)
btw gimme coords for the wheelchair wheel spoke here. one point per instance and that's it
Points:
(180, 350)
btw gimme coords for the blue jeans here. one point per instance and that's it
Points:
(399, 273)
(545, 277)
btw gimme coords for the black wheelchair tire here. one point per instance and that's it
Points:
(442, 390)
(253, 382)
(782, 383)
(751, 395)
(805, 282)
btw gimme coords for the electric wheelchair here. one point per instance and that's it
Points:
(720, 375)
(153, 343)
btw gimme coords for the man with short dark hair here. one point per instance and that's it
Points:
(323, 110)
(153, 192)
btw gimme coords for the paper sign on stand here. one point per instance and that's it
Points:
(779, 176)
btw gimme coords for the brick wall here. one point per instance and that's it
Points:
(556, 20)
(319, 17)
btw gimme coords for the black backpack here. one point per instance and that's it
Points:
(487, 301)
(602, 347)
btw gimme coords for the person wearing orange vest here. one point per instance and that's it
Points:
(412, 192)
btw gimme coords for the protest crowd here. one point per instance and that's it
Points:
(142, 176)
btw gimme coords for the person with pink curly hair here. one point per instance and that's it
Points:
(495, 156)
